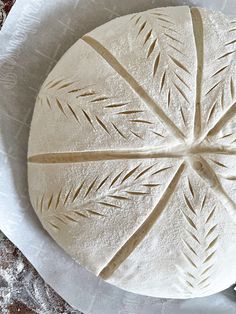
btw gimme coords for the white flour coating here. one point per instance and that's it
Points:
(21, 286)
(132, 152)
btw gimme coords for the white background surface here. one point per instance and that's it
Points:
(34, 37)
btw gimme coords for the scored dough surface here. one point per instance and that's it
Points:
(132, 152)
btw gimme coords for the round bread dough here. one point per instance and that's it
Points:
(132, 152)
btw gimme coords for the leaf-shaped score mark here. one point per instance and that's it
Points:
(151, 41)
(111, 192)
(78, 106)
(164, 53)
(199, 243)
(220, 91)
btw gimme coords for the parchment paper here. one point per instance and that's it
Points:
(33, 38)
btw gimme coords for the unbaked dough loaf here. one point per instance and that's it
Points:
(132, 152)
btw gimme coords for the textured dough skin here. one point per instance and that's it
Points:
(131, 159)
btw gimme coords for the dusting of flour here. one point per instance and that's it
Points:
(22, 290)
